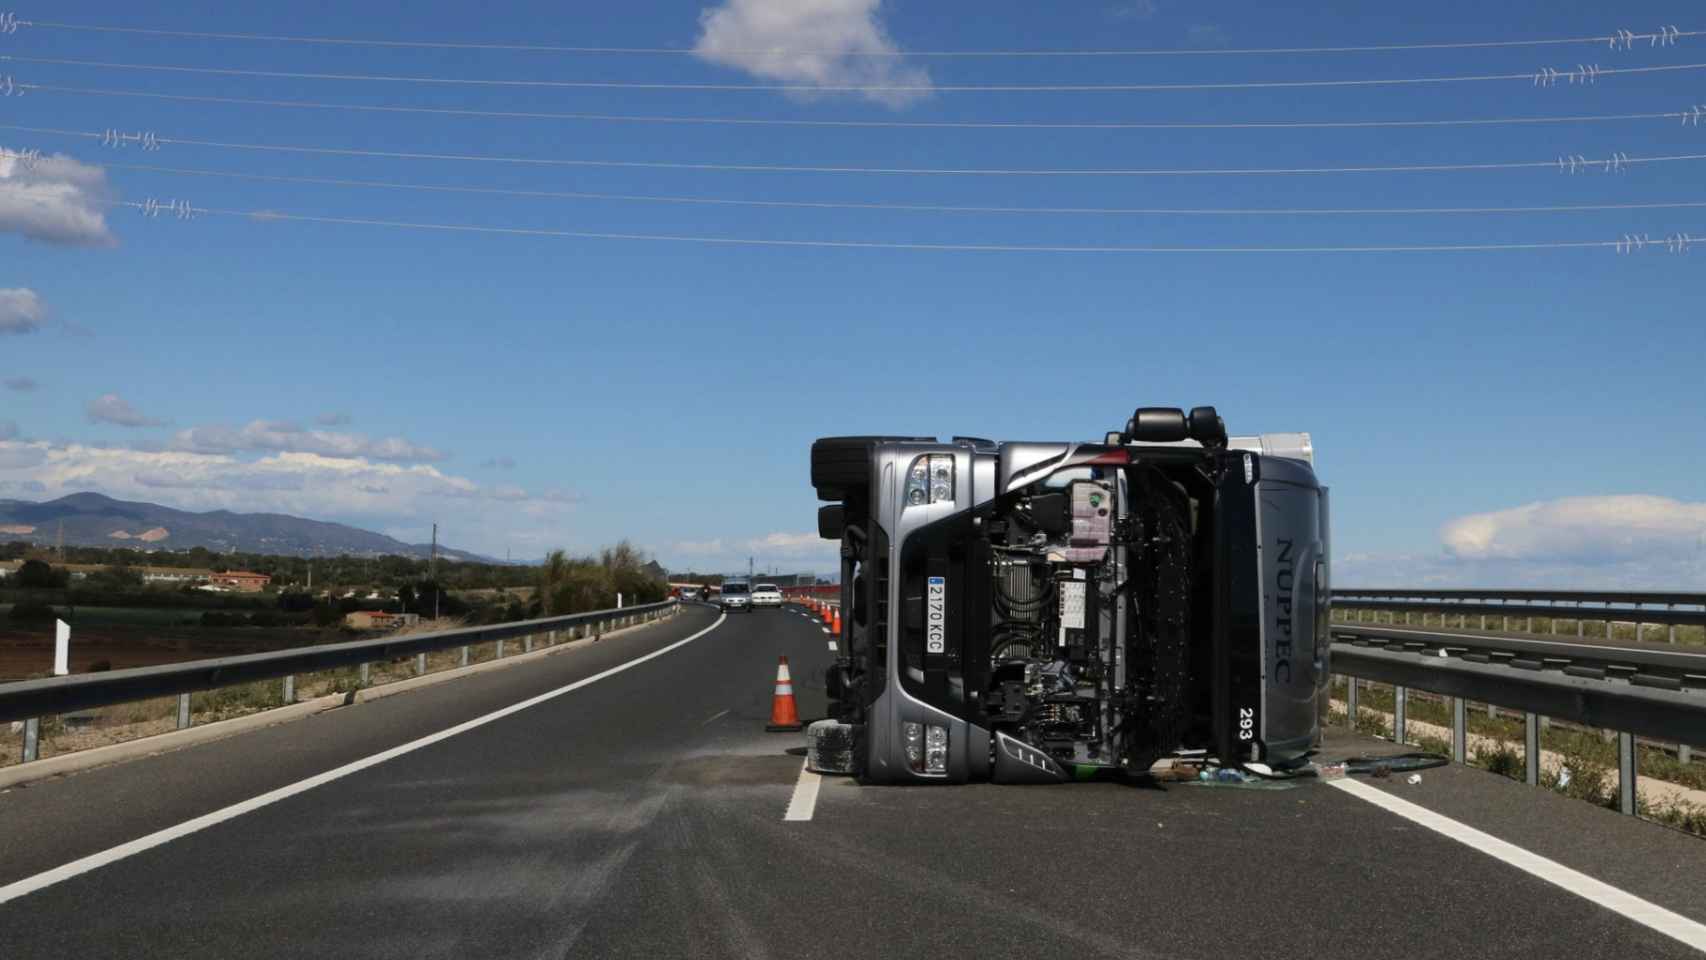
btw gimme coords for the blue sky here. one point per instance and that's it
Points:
(536, 391)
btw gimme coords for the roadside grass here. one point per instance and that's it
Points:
(1586, 755)
(1545, 626)
(120, 723)
(1429, 708)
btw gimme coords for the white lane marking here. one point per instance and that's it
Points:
(94, 861)
(825, 629)
(714, 717)
(1672, 925)
(833, 648)
(804, 800)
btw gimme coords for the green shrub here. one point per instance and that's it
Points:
(32, 611)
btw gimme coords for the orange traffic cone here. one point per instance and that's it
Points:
(835, 615)
(784, 717)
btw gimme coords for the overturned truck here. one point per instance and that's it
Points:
(1041, 612)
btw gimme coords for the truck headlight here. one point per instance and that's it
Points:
(935, 749)
(930, 479)
(914, 734)
(926, 747)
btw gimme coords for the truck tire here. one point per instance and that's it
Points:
(843, 464)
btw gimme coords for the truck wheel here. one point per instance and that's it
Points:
(842, 464)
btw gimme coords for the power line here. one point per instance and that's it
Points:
(1693, 115)
(910, 207)
(1679, 242)
(1582, 74)
(149, 140)
(1618, 40)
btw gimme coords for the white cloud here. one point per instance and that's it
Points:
(114, 409)
(1582, 529)
(21, 310)
(791, 543)
(20, 456)
(361, 491)
(812, 43)
(19, 384)
(1629, 542)
(274, 435)
(55, 199)
(1133, 10)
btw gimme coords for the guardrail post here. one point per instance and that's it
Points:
(1684, 753)
(1492, 712)
(1640, 631)
(1459, 730)
(289, 689)
(1351, 704)
(1578, 618)
(183, 711)
(1483, 621)
(550, 638)
(1531, 749)
(365, 673)
(500, 652)
(1626, 773)
(420, 664)
(527, 644)
(464, 656)
(1398, 714)
(1608, 629)
(32, 739)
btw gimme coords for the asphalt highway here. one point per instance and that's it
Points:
(641, 815)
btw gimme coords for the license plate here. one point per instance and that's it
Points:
(936, 615)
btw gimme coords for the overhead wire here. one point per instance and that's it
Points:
(902, 207)
(1616, 162)
(1623, 39)
(1694, 115)
(1583, 75)
(1628, 243)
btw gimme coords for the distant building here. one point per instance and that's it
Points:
(175, 575)
(380, 620)
(241, 581)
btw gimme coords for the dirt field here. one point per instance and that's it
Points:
(28, 652)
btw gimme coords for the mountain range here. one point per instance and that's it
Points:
(94, 520)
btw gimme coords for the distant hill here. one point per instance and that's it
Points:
(93, 520)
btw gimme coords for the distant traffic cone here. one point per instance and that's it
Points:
(784, 716)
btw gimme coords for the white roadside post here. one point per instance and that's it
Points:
(61, 648)
(61, 667)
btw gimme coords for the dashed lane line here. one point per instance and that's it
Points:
(803, 803)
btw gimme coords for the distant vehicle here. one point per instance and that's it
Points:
(766, 595)
(1036, 612)
(691, 593)
(736, 595)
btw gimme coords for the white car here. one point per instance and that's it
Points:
(766, 595)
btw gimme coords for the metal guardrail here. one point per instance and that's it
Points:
(29, 700)
(1496, 609)
(1631, 598)
(1672, 667)
(1662, 696)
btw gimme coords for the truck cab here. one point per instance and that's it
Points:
(1036, 612)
